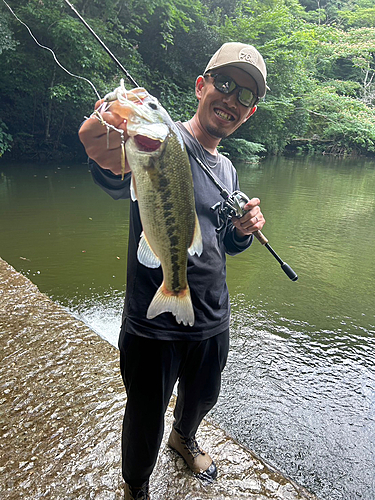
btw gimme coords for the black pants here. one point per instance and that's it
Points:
(150, 369)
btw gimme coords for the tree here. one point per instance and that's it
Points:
(361, 14)
(346, 122)
(354, 51)
(165, 44)
(41, 104)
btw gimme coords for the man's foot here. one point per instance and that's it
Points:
(137, 493)
(197, 460)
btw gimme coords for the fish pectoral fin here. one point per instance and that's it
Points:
(133, 191)
(179, 305)
(145, 254)
(197, 244)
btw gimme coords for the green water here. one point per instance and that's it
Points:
(320, 219)
(299, 387)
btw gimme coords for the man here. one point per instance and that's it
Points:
(155, 353)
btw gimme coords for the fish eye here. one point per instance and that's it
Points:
(152, 105)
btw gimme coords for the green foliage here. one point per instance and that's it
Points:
(345, 121)
(361, 14)
(321, 76)
(328, 11)
(351, 56)
(242, 149)
(7, 41)
(181, 105)
(346, 88)
(5, 139)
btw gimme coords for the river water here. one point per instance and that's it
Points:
(299, 387)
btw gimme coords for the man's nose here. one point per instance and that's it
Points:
(231, 99)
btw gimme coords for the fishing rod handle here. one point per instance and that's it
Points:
(260, 237)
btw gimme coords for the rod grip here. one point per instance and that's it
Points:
(260, 237)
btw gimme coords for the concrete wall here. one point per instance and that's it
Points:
(62, 402)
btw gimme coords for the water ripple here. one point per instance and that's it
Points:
(301, 398)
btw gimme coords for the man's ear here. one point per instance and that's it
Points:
(250, 113)
(199, 84)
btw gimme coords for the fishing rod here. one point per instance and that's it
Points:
(233, 202)
(232, 206)
(51, 51)
(113, 57)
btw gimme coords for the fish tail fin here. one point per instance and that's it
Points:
(179, 305)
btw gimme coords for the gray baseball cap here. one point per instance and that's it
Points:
(242, 56)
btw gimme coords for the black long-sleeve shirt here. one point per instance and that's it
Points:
(206, 274)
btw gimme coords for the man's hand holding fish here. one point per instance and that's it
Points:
(104, 145)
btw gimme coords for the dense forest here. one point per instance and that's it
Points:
(320, 56)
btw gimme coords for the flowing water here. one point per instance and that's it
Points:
(299, 387)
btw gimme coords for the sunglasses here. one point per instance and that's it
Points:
(226, 85)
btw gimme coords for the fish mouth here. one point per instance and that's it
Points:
(223, 115)
(146, 144)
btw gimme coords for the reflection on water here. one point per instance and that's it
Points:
(299, 387)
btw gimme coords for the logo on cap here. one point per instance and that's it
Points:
(248, 55)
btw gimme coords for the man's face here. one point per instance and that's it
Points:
(221, 114)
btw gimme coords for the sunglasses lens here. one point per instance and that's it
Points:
(226, 85)
(246, 97)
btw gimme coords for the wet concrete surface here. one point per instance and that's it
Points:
(62, 402)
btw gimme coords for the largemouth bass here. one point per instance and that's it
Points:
(163, 186)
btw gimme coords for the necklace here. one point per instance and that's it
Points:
(203, 151)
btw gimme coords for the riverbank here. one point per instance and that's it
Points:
(61, 411)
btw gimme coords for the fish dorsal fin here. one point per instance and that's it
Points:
(133, 195)
(145, 254)
(197, 244)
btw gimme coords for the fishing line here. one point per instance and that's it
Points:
(223, 192)
(53, 54)
(113, 57)
(228, 199)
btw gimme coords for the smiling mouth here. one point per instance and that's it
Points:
(223, 115)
